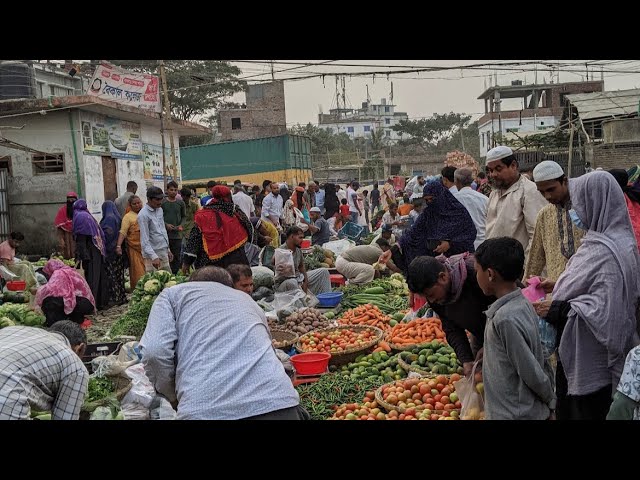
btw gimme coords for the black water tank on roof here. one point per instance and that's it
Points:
(17, 81)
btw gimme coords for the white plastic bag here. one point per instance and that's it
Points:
(142, 391)
(471, 400)
(285, 267)
(161, 409)
(339, 246)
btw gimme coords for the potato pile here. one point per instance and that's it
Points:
(306, 320)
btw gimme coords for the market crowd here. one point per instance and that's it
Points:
(535, 281)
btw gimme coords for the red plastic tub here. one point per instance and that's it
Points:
(17, 286)
(306, 243)
(416, 301)
(311, 363)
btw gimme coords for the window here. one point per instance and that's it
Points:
(541, 123)
(387, 133)
(482, 136)
(367, 128)
(387, 121)
(236, 124)
(349, 129)
(5, 162)
(47, 163)
(52, 90)
(512, 130)
(386, 109)
(375, 107)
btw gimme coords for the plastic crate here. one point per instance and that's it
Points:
(352, 231)
(94, 350)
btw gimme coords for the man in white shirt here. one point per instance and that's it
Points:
(208, 350)
(475, 202)
(352, 201)
(514, 202)
(243, 201)
(272, 206)
(448, 179)
(340, 193)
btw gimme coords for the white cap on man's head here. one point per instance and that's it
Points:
(498, 153)
(315, 210)
(547, 170)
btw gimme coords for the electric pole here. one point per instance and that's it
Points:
(166, 120)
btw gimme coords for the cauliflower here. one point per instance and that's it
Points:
(170, 284)
(152, 287)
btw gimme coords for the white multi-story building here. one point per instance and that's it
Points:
(540, 107)
(359, 123)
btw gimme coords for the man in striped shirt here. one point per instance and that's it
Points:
(42, 370)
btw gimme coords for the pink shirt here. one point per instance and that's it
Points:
(7, 252)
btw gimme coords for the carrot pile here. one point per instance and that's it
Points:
(366, 315)
(418, 330)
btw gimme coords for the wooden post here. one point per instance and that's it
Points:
(570, 151)
(167, 120)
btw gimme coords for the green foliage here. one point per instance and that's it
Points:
(434, 131)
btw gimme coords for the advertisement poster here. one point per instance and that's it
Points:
(103, 135)
(153, 174)
(128, 88)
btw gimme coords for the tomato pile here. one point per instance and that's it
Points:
(336, 340)
(424, 397)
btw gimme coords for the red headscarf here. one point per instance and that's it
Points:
(61, 220)
(224, 227)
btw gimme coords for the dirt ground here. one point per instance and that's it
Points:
(103, 321)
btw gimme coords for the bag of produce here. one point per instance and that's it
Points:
(285, 267)
(469, 394)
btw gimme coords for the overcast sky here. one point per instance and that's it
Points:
(425, 93)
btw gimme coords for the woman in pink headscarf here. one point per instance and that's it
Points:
(65, 296)
(64, 227)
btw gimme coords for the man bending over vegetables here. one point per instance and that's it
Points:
(208, 350)
(42, 370)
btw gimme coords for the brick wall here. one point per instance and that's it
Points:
(608, 156)
(264, 116)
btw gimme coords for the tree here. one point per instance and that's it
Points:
(434, 131)
(195, 86)
(323, 141)
(552, 140)
(471, 137)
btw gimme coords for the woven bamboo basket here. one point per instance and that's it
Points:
(285, 339)
(388, 407)
(347, 356)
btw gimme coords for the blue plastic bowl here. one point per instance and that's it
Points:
(330, 299)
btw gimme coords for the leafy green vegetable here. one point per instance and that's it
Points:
(99, 389)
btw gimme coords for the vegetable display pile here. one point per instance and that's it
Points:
(43, 261)
(99, 389)
(134, 321)
(304, 321)
(319, 258)
(12, 314)
(388, 294)
(377, 365)
(418, 392)
(320, 398)
(367, 315)
(336, 340)
(416, 332)
(435, 358)
(16, 297)
(422, 397)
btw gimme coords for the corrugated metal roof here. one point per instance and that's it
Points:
(606, 104)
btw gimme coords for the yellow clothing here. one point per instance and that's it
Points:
(555, 240)
(272, 231)
(131, 231)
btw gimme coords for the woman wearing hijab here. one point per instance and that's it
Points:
(114, 263)
(443, 227)
(291, 213)
(221, 229)
(300, 202)
(64, 227)
(65, 296)
(331, 202)
(595, 299)
(631, 197)
(130, 231)
(90, 249)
